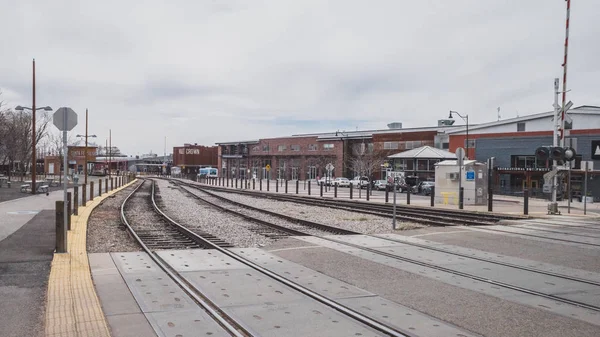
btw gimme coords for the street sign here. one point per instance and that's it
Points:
(329, 167)
(386, 164)
(460, 156)
(547, 188)
(65, 119)
(268, 167)
(470, 175)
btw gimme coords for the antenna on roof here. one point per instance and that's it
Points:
(498, 113)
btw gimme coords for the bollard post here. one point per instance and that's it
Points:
(253, 184)
(268, 184)
(408, 196)
(112, 186)
(105, 185)
(309, 183)
(335, 191)
(69, 210)
(236, 182)
(525, 201)
(260, 185)
(76, 200)
(286, 186)
(432, 196)
(351, 188)
(461, 195)
(387, 194)
(227, 182)
(61, 233)
(305, 184)
(368, 191)
(276, 186)
(91, 190)
(83, 194)
(321, 189)
(99, 187)
(297, 185)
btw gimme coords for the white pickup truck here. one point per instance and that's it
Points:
(360, 182)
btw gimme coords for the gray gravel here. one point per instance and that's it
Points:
(105, 234)
(258, 215)
(358, 222)
(193, 214)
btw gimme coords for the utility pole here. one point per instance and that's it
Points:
(555, 139)
(85, 168)
(110, 151)
(33, 141)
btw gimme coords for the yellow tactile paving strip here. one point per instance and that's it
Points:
(72, 307)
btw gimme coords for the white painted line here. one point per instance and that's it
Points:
(293, 248)
(434, 233)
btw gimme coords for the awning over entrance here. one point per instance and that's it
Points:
(424, 152)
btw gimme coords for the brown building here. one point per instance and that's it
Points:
(305, 156)
(191, 157)
(75, 160)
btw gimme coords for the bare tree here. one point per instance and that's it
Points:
(365, 160)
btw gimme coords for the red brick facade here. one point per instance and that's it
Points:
(75, 159)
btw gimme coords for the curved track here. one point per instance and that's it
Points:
(227, 322)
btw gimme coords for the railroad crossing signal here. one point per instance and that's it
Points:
(544, 153)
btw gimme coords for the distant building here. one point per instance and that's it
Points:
(75, 160)
(192, 157)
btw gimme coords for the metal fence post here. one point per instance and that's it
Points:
(91, 190)
(351, 188)
(99, 187)
(461, 195)
(368, 191)
(83, 194)
(335, 191)
(253, 184)
(112, 186)
(387, 194)
(76, 200)
(268, 184)
(321, 189)
(309, 183)
(408, 196)
(432, 195)
(525, 201)
(286, 186)
(297, 185)
(69, 210)
(61, 237)
(105, 185)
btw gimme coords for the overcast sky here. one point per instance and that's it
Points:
(224, 70)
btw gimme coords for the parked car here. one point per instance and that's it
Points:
(380, 184)
(424, 187)
(342, 182)
(360, 182)
(326, 181)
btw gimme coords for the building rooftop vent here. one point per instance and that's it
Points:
(446, 122)
(395, 125)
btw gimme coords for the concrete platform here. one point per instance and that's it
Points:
(25, 258)
(482, 308)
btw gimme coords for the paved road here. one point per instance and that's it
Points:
(25, 258)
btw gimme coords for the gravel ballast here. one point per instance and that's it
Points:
(194, 214)
(105, 234)
(358, 222)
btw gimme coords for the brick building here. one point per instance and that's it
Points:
(305, 156)
(191, 157)
(75, 160)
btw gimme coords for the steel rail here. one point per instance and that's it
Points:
(216, 314)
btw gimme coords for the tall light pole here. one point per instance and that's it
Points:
(466, 119)
(33, 109)
(85, 168)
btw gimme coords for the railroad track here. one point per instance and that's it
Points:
(227, 322)
(423, 215)
(472, 276)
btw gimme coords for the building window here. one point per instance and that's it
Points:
(445, 146)
(255, 148)
(390, 145)
(265, 148)
(281, 148)
(328, 146)
(521, 127)
(312, 147)
(471, 144)
(295, 147)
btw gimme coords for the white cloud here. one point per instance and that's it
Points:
(209, 71)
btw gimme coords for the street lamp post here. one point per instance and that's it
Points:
(85, 168)
(466, 119)
(33, 109)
